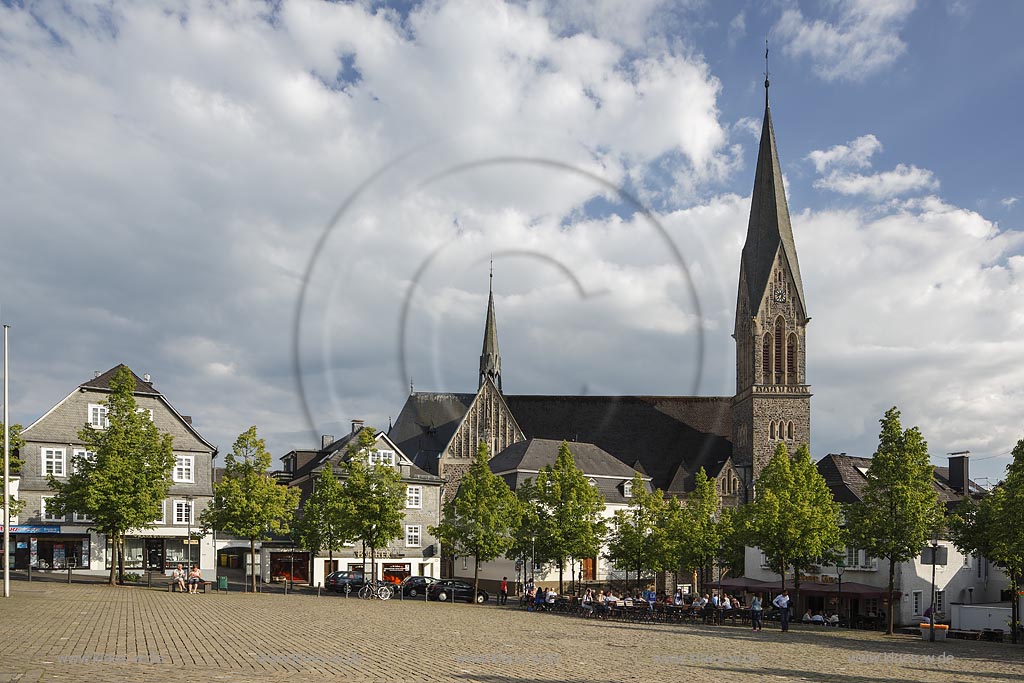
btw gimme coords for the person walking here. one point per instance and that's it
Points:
(755, 613)
(782, 602)
(503, 591)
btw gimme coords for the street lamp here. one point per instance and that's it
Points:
(188, 537)
(935, 552)
(840, 568)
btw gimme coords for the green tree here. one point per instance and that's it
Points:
(248, 502)
(481, 518)
(372, 497)
(633, 541)
(529, 540)
(15, 463)
(793, 518)
(124, 485)
(899, 509)
(569, 511)
(701, 535)
(993, 528)
(322, 524)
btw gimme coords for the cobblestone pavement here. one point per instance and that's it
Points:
(57, 632)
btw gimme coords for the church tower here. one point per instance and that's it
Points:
(490, 359)
(773, 399)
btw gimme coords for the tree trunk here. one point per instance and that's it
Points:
(476, 576)
(1014, 606)
(113, 560)
(796, 589)
(252, 560)
(889, 610)
(373, 563)
(561, 570)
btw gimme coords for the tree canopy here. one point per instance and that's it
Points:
(481, 518)
(248, 502)
(322, 524)
(14, 462)
(633, 539)
(122, 486)
(899, 509)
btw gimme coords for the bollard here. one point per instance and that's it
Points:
(30, 573)
(285, 586)
(149, 579)
(69, 574)
(318, 589)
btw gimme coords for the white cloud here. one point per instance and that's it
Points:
(737, 29)
(863, 39)
(749, 125)
(901, 180)
(855, 154)
(1008, 202)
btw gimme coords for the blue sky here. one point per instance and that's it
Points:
(173, 171)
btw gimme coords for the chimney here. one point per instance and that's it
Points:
(959, 473)
(187, 419)
(326, 440)
(357, 426)
(147, 378)
(95, 374)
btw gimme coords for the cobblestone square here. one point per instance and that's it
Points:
(54, 632)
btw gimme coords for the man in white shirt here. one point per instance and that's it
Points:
(782, 602)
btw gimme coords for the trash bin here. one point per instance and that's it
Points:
(222, 583)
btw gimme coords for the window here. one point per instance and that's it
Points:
(918, 599)
(871, 605)
(465, 563)
(766, 358)
(780, 362)
(791, 359)
(592, 482)
(382, 458)
(183, 468)
(789, 431)
(147, 411)
(764, 561)
(81, 454)
(851, 557)
(98, 416)
(182, 512)
(412, 536)
(627, 489)
(771, 434)
(47, 517)
(413, 496)
(160, 519)
(53, 462)
(81, 517)
(967, 560)
(977, 562)
(940, 601)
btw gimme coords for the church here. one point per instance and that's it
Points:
(665, 438)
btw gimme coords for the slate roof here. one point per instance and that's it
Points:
(534, 454)
(842, 474)
(102, 381)
(663, 434)
(337, 452)
(666, 437)
(769, 225)
(427, 423)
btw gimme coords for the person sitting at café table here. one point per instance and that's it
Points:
(807, 617)
(550, 598)
(833, 619)
(817, 618)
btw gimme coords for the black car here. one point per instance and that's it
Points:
(452, 589)
(414, 586)
(336, 581)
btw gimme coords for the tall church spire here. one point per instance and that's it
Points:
(768, 229)
(490, 359)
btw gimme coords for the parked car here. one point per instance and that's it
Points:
(336, 581)
(414, 586)
(452, 589)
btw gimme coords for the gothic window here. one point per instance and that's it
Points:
(771, 434)
(791, 374)
(789, 431)
(766, 358)
(780, 362)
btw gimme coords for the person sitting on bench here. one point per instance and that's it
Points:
(194, 579)
(178, 579)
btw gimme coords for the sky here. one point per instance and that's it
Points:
(285, 211)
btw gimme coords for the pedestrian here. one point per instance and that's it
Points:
(194, 579)
(755, 613)
(782, 602)
(503, 592)
(178, 579)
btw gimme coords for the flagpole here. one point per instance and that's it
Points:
(7, 481)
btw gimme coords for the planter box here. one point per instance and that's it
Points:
(940, 632)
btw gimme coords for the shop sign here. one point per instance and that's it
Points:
(33, 529)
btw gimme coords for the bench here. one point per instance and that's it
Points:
(202, 585)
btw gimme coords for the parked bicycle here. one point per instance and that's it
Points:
(375, 589)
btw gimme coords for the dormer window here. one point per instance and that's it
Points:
(627, 489)
(98, 416)
(382, 458)
(592, 482)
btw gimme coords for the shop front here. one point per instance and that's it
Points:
(156, 554)
(394, 572)
(289, 566)
(46, 547)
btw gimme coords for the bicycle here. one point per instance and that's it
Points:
(374, 589)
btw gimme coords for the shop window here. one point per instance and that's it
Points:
(53, 462)
(414, 496)
(412, 535)
(98, 416)
(184, 469)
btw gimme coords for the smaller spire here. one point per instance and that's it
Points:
(490, 359)
(766, 82)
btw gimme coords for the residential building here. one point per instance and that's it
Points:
(52, 446)
(414, 552)
(522, 462)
